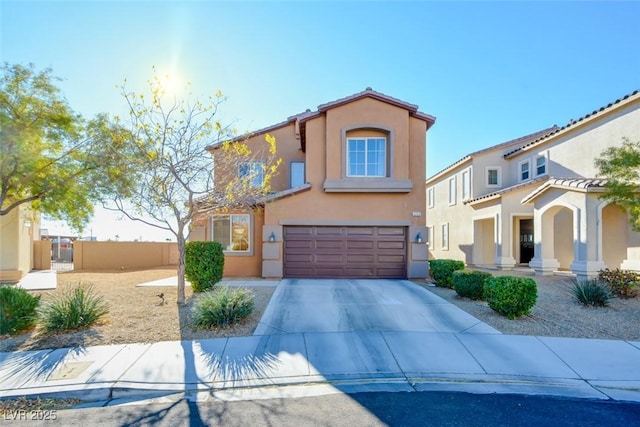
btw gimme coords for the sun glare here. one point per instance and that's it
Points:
(171, 84)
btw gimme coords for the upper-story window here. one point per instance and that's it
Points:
(524, 170)
(466, 184)
(367, 157)
(493, 178)
(452, 190)
(541, 165)
(297, 174)
(430, 197)
(253, 171)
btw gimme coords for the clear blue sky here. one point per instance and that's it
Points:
(489, 71)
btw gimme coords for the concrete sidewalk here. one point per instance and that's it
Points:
(302, 364)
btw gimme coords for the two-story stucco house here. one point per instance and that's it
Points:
(536, 200)
(348, 200)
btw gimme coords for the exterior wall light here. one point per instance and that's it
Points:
(419, 238)
(272, 237)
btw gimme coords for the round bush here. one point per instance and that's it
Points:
(204, 264)
(511, 296)
(469, 283)
(18, 309)
(222, 307)
(441, 270)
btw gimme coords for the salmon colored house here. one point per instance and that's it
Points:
(348, 199)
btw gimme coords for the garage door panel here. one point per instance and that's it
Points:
(332, 258)
(370, 258)
(360, 231)
(360, 244)
(391, 245)
(335, 252)
(330, 244)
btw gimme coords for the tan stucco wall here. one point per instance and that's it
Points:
(615, 236)
(16, 236)
(89, 255)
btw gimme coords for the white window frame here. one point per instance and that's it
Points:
(544, 158)
(430, 237)
(253, 171)
(445, 236)
(229, 248)
(366, 139)
(466, 184)
(430, 197)
(498, 170)
(453, 184)
(520, 171)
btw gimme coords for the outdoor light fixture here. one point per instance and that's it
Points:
(272, 237)
(419, 238)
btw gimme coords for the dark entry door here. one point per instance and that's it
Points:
(526, 240)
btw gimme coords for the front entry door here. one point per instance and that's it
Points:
(526, 240)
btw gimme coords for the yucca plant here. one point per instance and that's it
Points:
(222, 307)
(75, 308)
(591, 292)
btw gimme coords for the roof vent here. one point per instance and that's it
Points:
(368, 89)
(308, 110)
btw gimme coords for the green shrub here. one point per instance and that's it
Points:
(18, 309)
(74, 308)
(593, 292)
(441, 271)
(222, 307)
(511, 296)
(470, 283)
(623, 283)
(204, 264)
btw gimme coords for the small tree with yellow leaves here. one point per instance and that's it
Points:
(172, 169)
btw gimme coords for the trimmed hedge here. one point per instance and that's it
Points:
(470, 283)
(511, 296)
(441, 271)
(18, 309)
(204, 264)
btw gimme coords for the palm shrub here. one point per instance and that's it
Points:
(511, 296)
(441, 271)
(75, 308)
(469, 283)
(623, 283)
(593, 292)
(204, 264)
(18, 309)
(222, 307)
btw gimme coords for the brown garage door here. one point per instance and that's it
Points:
(357, 252)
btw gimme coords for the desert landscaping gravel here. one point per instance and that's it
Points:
(137, 314)
(557, 313)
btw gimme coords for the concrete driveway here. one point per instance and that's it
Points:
(348, 305)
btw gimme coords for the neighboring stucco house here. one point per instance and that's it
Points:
(536, 200)
(18, 230)
(348, 199)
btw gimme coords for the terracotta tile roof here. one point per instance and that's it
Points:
(499, 193)
(580, 184)
(308, 114)
(370, 93)
(513, 142)
(573, 123)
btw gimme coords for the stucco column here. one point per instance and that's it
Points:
(543, 262)
(586, 262)
(417, 264)
(272, 251)
(504, 259)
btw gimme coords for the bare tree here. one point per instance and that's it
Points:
(172, 169)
